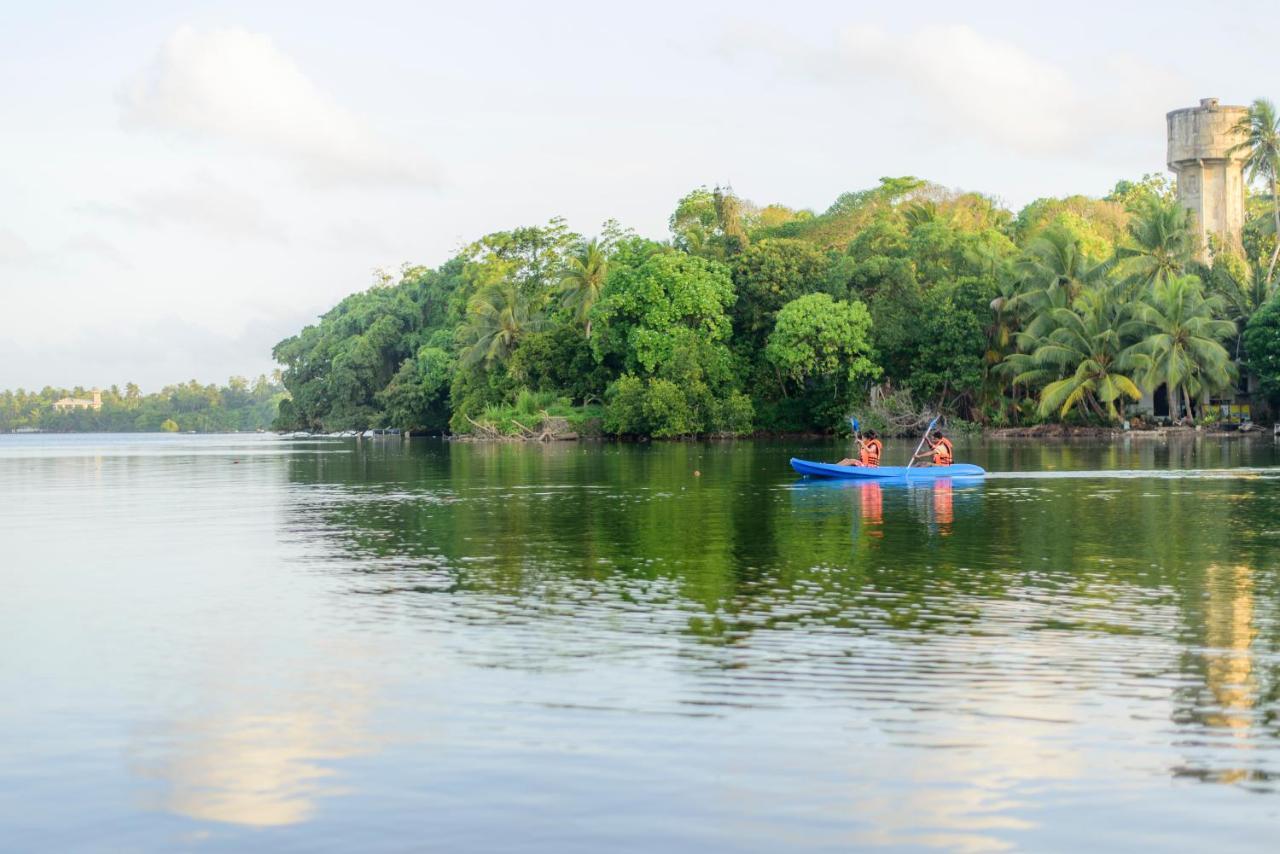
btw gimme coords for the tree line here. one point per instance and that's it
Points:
(899, 297)
(239, 405)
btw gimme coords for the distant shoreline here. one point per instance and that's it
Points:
(1039, 433)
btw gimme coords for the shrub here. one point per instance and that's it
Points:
(624, 408)
(734, 414)
(667, 410)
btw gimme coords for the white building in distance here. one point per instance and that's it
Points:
(66, 404)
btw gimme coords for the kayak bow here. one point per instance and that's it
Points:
(812, 469)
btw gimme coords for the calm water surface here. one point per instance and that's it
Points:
(229, 643)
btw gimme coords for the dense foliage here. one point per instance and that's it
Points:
(239, 405)
(769, 318)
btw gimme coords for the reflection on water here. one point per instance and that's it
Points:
(257, 760)
(871, 508)
(257, 770)
(1229, 633)
(586, 647)
(1226, 668)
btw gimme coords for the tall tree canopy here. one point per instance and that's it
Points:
(777, 318)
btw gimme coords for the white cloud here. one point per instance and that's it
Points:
(96, 250)
(956, 82)
(368, 236)
(235, 85)
(993, 88)
(206, 205)
(14, 251)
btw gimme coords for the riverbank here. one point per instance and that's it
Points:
(558, 429)
(1065, 431)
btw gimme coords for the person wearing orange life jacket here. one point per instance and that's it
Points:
(940, 451)
(869, 450)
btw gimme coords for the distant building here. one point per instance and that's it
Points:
(67, 404)
(1210, 170)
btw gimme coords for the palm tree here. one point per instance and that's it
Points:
(1260, 128)
(1181, 346)
(1004, 320)
(1002, 334)
(729, 214)
(1162, 243)
(582, 281)
(1242, 289)
(1083, 360)
(498, 317)
(919, 213)
(1055, 265)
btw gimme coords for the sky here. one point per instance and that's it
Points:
(185, 184)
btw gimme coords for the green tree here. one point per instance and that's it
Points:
(711, 223)
(417, 396)
(820, 340)
(531, 258)
(1260, 128)
(664, 407)
(768, 275)
(1133, 195)
(694, 222)
(559, 359)
(1161, 242)
(1181, 341)
(663, 317)
(498, 318)
(643, 305)
(1242, 288)
(948, 365)
(1262, 347)
(583, 280)
(667, 412)
(1097, 225)
(625, 412)
(1082, 362)
(1055, 262)
(731, 213)
(335, 368)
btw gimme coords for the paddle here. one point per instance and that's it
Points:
(857, 434)
(927, 431)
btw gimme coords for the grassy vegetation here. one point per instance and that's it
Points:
(533, 412)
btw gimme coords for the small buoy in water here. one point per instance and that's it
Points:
(697, 473)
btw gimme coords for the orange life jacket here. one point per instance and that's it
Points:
(870, 454)
(942, 452)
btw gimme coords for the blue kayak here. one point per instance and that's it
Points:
(885, 472)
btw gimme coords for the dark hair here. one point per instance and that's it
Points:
(872, 434)
(937, 433)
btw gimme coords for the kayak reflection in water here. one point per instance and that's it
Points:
(943, 509)
(869, 449)
(872, 508)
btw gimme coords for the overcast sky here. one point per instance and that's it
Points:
(186, 183)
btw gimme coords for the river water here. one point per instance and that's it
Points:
(223, 643)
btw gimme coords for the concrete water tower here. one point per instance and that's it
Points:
(1210, 177)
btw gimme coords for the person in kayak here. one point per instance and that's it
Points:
(868, 452)
(940, 451)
